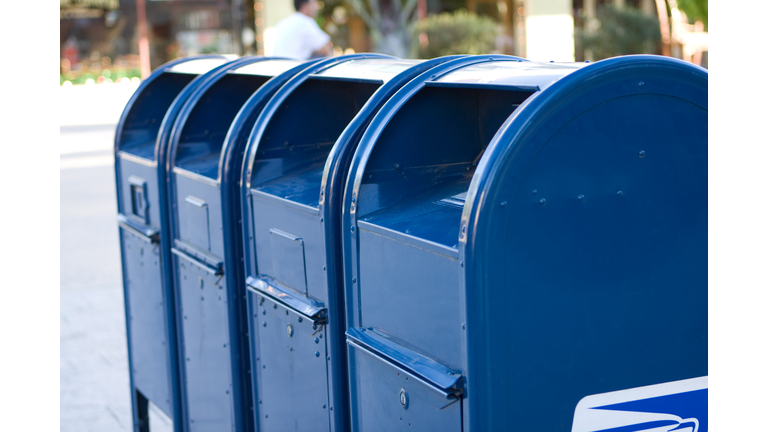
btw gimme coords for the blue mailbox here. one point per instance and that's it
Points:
(205, 160)
(525, 249)
(298, 156)
(141, 143)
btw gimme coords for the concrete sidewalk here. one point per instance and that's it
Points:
(94, 381)
(95, 104)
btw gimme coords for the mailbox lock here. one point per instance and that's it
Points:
(404, 398)
(290, 330)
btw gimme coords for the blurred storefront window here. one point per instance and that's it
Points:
(99, 39)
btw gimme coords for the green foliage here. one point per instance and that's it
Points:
(456, 33)
(695, 10)
(114, 75)
(621, 31)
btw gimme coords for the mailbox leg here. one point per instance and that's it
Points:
(140, 412)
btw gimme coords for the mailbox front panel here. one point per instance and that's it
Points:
(291, 367)
(392, 399)
(198, 206)
(398, 296)
(141, 173)
(202, 297)
(150, 362)
(296, 264)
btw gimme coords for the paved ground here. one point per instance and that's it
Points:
(94, 383)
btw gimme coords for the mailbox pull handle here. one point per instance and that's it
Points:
(197, 202)
(289, 236)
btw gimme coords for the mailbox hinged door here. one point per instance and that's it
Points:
(293, 378)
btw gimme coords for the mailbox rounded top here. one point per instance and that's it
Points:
(335, 68)
(207, 114)
(374, 69)
(520, 73)
(149, 114)
(586, 220)
(197, 65)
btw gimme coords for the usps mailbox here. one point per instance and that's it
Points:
(298, 156)
(526, 250)
(141, 143)
(205, 161)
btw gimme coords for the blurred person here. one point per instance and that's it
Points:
(299, 37)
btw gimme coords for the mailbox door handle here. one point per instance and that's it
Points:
(197, 202)
(201, 259)
(444, 380)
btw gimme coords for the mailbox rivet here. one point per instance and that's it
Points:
(641, 154)
(542, 201)
(321, 220)
(323, 268)
(619, 192)
(503, 204)
(641, 84)
(265, 324)
(263, 311)
(463, 326)
(534, 191)
(317, 340)
(289, 329)
(461, 263)
(353, 199)
(323, 406)
(266, 415)
(317, 353)
(408, 231)
(464, 229)
(263, 366)
(354, 280)
(321, 193)
(314, 327)
(301, 319)
(225, 345)
(328, 358)
(352, 228)
(580, 197)
(274, 306)
(397, 166)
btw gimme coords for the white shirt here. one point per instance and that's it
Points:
(297, 37)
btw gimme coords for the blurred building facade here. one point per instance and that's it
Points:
(99, 35)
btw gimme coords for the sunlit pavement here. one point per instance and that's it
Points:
(94, 381)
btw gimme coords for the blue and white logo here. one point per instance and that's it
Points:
(679, 406)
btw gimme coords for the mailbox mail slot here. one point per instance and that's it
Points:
(205, 159)
(291, 207)
(506, 223)
(141, 142)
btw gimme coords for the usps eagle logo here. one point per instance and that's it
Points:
(679, 406)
